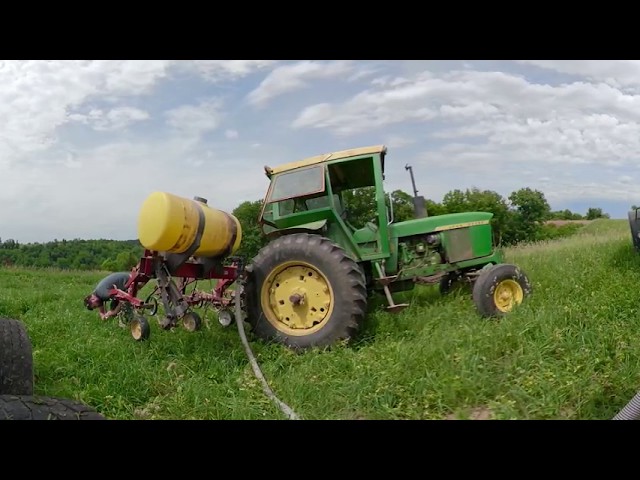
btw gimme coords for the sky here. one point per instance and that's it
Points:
(83, 143)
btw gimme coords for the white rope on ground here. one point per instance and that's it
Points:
(286, 409)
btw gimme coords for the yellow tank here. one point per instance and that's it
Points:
(168, 223)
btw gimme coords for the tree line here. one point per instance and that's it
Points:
(521, 217)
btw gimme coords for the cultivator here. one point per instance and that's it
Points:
(185, 241)
(171, 291)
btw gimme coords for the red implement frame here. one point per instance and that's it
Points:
(144, 271)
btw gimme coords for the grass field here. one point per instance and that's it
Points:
(572, 351)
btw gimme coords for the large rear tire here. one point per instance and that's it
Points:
(28, 407)
(304, 291)
(16, 358)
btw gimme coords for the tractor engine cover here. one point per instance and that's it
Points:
(169, 223)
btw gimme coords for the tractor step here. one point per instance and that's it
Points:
(385, 281)
(397, 307)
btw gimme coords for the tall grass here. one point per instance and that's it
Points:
(570, 352)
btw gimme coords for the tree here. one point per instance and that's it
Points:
(531, 210)
(360, 205)
(594, 213)
(476, 200)
(402, 206)
(253, 239)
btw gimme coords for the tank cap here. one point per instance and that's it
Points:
(200, 199)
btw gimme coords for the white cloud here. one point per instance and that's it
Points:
(288, 78)
(613, 72)
(196, 119)
(217, 70)
(231, 134)
(572, 123)
(498, 130)
(398, 141)
(36, 95)
(114, 119)
(102, 199)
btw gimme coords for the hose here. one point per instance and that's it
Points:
(631, 411)
(286, 409)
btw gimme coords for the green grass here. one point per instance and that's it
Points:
(570, 352)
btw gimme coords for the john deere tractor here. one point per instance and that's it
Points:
(309, 286)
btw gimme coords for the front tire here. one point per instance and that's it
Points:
(499, 289)
(304, 291)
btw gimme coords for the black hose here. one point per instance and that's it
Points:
(286, 409)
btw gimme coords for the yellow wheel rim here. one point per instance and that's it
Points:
(508, 294)
(297, 298)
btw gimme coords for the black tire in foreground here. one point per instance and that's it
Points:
(304, 291)
(16, 358)
(634, 225)
(499, 289)
(28, 407)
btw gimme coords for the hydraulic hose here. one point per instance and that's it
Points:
(631, 410)
(286, 409)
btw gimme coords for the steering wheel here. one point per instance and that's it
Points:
(343, 216)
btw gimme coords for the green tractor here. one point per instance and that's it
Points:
(310, 284)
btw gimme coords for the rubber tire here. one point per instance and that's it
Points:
(486, 282)
(144, 326)
(633, 225)
(29, 407)
(344, 275)
(450, 283)
(16, 358)
(196, 320)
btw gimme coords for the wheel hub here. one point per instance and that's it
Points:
(507, 295)
(298, 296)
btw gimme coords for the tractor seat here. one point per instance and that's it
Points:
(366, 234)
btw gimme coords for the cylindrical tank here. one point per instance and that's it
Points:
(169, 223)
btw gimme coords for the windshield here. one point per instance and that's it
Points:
(296, 184)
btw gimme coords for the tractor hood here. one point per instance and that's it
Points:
(439, 223)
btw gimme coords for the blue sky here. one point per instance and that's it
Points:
(84, 142)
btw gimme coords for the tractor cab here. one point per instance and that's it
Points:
(312, 195)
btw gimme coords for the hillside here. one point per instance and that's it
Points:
(568, 353)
